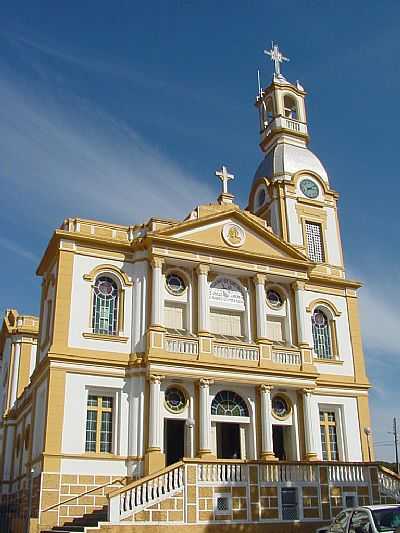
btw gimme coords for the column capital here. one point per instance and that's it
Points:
(308, 391)
(205, 383)
(299, 285)
(264, 388)
(259, 279)
(157, 262)
(155, 379)
(202, 269)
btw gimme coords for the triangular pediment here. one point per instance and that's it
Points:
(234, 230)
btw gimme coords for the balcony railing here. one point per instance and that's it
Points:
(285, 357)
(240, 352)
(184, 345)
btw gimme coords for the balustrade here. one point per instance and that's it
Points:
(181, 345)
(286, 358)
(233, 351)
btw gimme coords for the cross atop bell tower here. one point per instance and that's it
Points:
(277, 57)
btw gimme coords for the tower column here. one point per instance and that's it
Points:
(154, 459)
(309, 426)
(261, 312)
(203, 307)
(301, 316)
(267, 446)
(205, 418)
(156, 310)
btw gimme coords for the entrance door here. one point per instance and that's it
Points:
(174, 440)
(228, 441)
(278, 439)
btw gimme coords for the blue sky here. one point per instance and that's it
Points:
(121, 111)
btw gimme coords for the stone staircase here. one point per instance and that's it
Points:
(200, 492)
(79, 524)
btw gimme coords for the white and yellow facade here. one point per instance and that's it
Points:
(219, 307)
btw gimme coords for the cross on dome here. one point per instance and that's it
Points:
(224, 176)
(277, 57)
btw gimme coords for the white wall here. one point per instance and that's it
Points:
(332, 236)
(77, 388)
(9, 450)
(348, 425)
(40, 413)
(81, 302)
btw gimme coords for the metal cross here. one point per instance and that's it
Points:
(224, 177)
(277, 57)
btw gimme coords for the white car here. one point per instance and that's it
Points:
(366, 519)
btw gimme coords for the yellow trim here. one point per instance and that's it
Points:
(321, 301)
(103, 337)
(103, 269)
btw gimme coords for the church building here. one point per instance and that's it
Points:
(194, 372)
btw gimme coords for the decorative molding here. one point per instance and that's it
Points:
(103, 269)
(323, 302)
(104, 337)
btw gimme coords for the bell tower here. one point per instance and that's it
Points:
(291, 188)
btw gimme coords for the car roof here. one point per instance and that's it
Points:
(381, 506)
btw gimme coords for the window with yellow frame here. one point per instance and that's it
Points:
(99, 424)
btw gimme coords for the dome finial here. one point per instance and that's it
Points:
(277, 57)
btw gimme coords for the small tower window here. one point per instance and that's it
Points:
(315, 247)
(105, 306)
(290, 107)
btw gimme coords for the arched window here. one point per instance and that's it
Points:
(269, 110)
(105, 306)
(321, 335)
(228, 403)
(290, 107)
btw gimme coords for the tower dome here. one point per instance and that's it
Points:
(284, 159)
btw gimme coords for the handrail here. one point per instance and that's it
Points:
(141, 480)
(119, 480)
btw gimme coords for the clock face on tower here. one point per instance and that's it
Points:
(309, 188)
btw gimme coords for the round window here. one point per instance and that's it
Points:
(274, 299)
(280, 407)
(175, 284)
(175, 400)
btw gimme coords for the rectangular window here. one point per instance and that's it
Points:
(330, 450)
(290, 506)
(226, 323)
(99, 422)
(315, 249)
(174, 316)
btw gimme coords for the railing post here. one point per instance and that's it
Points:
(114, 509)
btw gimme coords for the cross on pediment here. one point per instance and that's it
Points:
(224, 176)
(277, 57)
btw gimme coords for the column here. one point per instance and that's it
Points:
(156, 309)
(261, 312)
(301, 315)
(310, 429)
(154, 459)
(205, 418)
(267, 447)
(202, 298)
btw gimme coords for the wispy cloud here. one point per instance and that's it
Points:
(71, 158)
(17, 249)
(380, 316)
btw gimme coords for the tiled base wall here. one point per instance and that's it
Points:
(14, 508)
(169, 510)
(57, 488)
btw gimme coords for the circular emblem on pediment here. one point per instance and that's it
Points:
(233, 234)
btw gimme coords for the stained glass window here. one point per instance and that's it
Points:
(274, 299)
(321, 335)
(175, 284)
(99, 423)
(280, 407)
(228, 403)
(315, 248)
(330, 450)
(105, 306)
